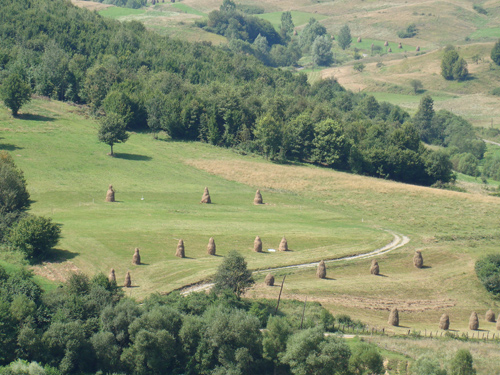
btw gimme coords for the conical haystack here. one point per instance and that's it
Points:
(180, 249)
(400, 45)
(128, 281)
(258, 198)
(417, 49)
(386, 43)
(110, 195)
(321, 271)
(389, 50)
(444, 322)
(283, 245)
(206, 196)
(112, 276)
(136, 259)
(418, 260)
(490, 316)
(211, 246)
(359, 39)
(269, 280)
(473, 322)
(394, 317)
(498, 323)
(257, 245)
(374, 269)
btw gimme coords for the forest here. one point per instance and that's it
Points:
(194, 91)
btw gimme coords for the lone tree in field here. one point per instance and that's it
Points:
(15, 93)
(495, 53)
(233, 274)
(136, 259)
(180, 249)
(473, 322)
(321, 271)
(283, 245)
(112, 277)
(258, 198)
(206, 196)
(211, 246)
(374, 269)
(444, 322)
(418, 260)
(128, 280)
(462, 363)
(110, 194)
(344, 39)
(257, 245)
(112, 130)
(416, 85)
(269, 280)
(490, 316)
(394, 317)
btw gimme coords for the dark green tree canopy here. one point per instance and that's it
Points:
(344, 38)
(112, 130)
(15, 92)
(232, 274)
(322, 51)
(495, 53)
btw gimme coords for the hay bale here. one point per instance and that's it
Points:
(294, 32)
(444, 322)
(269, 280)
(374, 269)
(400, 45)
(498, 323)
(283, 245)
(418, 260)
(110, 195)
(128, 281)
(389, 50)
(417, 49)
(473, 322)
(359, 39)
(333, 37)
(490, 316)
(136, 259)
(258, 198)
(321, 271)
(211, 246)
(257, 245)
(180, 249)
(112, 276)
(394, 317)
(206, 197)
(386, 43)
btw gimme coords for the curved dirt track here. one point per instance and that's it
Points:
(398, 241)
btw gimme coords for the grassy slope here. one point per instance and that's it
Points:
(68, 173)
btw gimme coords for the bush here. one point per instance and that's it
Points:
(35, 236)
(410, 31)
(359, 66)
(478, 8)
(488, 273)
(495, 53)
(496, 91)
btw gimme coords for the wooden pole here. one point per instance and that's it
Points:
(303, 312)
(279, 297)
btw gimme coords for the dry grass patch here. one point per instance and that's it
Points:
(90, 5)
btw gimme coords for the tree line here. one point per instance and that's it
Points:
(194, 91)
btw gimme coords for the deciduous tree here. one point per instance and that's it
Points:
(15, 93)
(112, 130)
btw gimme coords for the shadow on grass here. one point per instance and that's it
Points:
(9, 147)
(382, 275)
(59, 255)
(425, 267)
(31, 117)
(135, 157)
(328, 278)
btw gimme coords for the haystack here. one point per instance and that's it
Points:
(333, 37)
(386, 43)
(490, 316)
(180, 249)
(112, 276)
(269, 280)
(473, 322)
(128, 281)
(206, 196)
(321, 271)
(359, 39)
(418, 260)
(389, 50)
(211, 246)
(400, 45)
(498, 323)
(394, 317)
(110, 195)
(136, 259)
(417, 49)
(283, 245)
(444, 322)
(374, 269)
(257, 245)
(258, 198)
(294, 32)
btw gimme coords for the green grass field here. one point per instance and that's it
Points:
(187, 9)
(117, 12)
(298, 18)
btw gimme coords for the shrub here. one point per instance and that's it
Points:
(488, 273)
(409, 32)
(35, 236)
(359, 66)
(478, 8)
(496, 91)
(495, 53)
